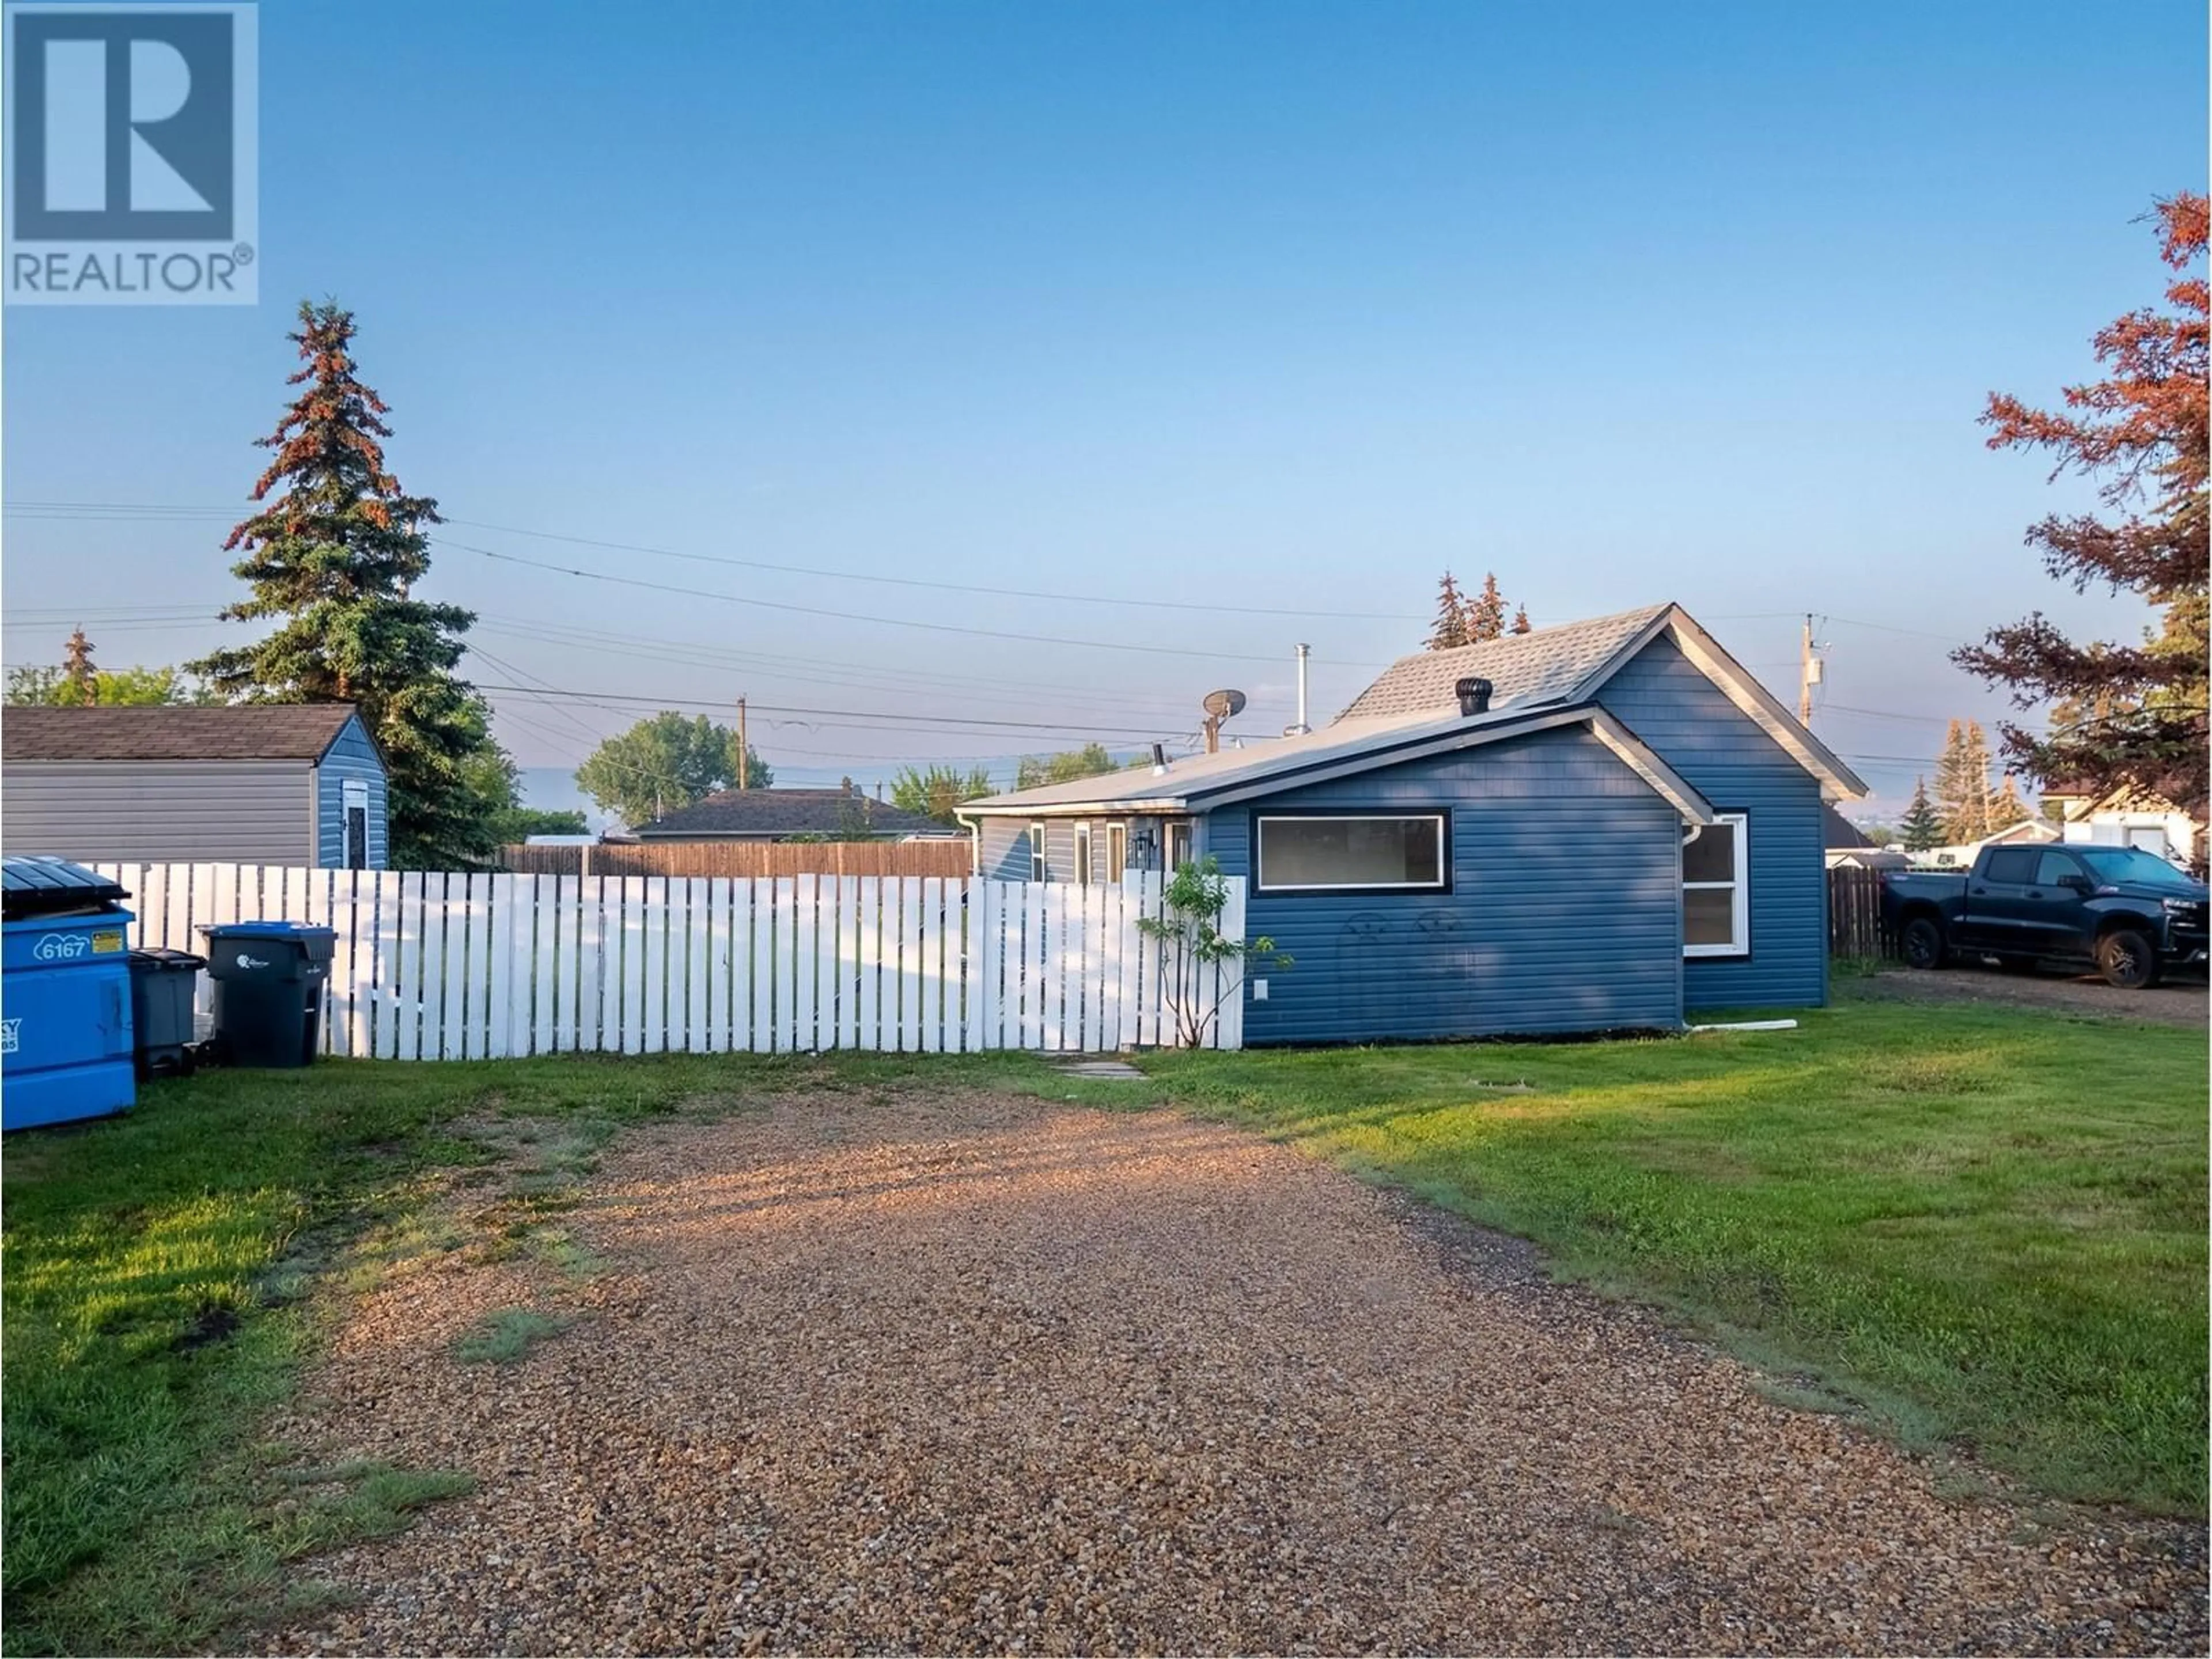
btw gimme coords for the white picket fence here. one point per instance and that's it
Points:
(476, 967)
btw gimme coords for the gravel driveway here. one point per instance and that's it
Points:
(2172, 1002)
(980, 1373)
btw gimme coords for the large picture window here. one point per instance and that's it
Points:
(1716, 890)
(1357, 853)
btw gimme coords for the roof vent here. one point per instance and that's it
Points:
(1473, 696)
(1159, 761)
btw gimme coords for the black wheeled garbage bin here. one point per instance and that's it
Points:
(268, 989)
(161, 986)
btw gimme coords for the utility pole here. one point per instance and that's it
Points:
(1808, 675)
(745, 750)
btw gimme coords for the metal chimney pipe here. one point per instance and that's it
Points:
(1304, 651)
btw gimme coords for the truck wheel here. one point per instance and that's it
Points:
(1923, 944)
(2128, 959)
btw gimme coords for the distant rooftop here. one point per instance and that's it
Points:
(767, 814)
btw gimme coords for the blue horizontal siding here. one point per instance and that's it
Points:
(1663, 698)
(1564, 915)
(351, 756)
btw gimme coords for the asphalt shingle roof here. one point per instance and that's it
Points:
(299, 731)
(1192, 777)
(1534, 677)
(787, 812)
(1523, 669)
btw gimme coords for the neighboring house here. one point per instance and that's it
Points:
(1847, 846)
(251, 783)
(2124, 817)
(780, 814)
(1629, 827)
(2029, 832)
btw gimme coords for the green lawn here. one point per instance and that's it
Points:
(1982, 1225)
(1985, 1226)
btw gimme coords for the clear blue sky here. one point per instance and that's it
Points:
(1284, 305)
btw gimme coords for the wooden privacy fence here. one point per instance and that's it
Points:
(475, 967)
(947, 857)
(1856, 928)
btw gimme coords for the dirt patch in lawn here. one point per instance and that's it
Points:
(978, 1373)
(2176, 1002)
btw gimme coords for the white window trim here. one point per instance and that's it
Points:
(1739, 941)
(1117, 851)
(352, 793)
(1083, 853)
(1036, 849)
(1259, 884)
(1169, 831)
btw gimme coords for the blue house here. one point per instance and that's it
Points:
(1606, 825)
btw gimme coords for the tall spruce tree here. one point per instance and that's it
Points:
(1954, 796)
(1449, 631)
(2006, 807)
(1979, 796)
(1485, 613)
(335, 552)
(1923, 830)
(1964, 798)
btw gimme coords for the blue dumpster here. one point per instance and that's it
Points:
(65, 1050)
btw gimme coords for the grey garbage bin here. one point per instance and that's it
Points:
(267, 990)
(161, 986)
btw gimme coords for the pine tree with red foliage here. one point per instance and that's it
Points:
(335, 552)
(2131, 717)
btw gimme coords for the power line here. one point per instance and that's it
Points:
(831, 717)
(1883, 715)
(125, 511)
(847, 616)
(992, 589)
(92, 511)
(813, 670)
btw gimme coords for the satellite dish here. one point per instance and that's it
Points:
(1221, 705)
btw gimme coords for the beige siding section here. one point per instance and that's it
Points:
(180, 811)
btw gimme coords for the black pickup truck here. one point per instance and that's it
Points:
(2128, 913)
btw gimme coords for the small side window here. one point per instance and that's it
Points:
(1083, 855)
(353, 795)
(1037, 851)
(1716, 889)
(1118, 852)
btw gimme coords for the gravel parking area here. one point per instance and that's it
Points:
(2174, 1002)
(971, 1373)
